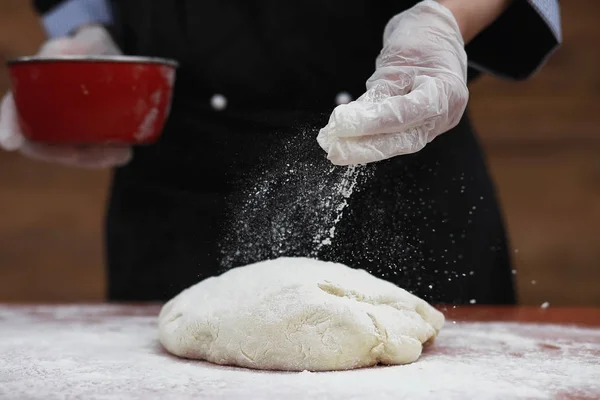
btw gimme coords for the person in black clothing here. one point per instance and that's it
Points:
(246, 180)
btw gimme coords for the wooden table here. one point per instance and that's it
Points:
(552, 315)
(111, 351)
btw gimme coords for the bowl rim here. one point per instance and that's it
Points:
(94, 59)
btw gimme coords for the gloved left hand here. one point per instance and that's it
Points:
(418, 91)
(90, 40)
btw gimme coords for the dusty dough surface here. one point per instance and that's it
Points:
(112, 352)
(295, 314)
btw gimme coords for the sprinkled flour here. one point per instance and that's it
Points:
(288, 205)
(112, 352)
(339, 197)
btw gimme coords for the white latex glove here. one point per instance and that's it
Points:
(417, 92)
(91, 40)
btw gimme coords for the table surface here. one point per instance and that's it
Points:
(111, 351)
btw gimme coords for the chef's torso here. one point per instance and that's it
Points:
(261, 54)
(247, 183)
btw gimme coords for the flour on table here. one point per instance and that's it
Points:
(298, 314)
(111, 352)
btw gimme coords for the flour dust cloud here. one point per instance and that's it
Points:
(290, 205)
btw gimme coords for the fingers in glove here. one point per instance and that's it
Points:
(93, 157)
(98, 40)
(92, 40)
(62, 47)
(10, 133)
(367, 149)
(391, 115)
(390, 81)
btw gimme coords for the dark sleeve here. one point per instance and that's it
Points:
(519, 42)
(43, 6)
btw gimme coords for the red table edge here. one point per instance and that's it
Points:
(582, 316)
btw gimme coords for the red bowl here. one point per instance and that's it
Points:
(92, 100)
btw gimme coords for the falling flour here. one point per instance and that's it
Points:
(339, 196)
(289, 206)
(112, 352)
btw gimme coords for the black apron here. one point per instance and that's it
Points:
(227, 188)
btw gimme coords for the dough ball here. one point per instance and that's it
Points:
(297, 314)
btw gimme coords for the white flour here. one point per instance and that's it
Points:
(337, 202)
(289, 206)
(111, 352)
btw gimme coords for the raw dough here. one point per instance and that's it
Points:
(297, 314)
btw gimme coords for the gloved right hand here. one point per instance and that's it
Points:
(417, 92)
(89, 40)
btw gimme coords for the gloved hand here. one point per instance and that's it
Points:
(417, 92)
(91, 40)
